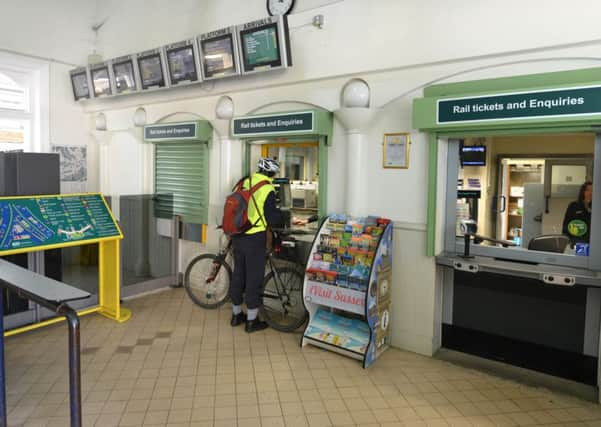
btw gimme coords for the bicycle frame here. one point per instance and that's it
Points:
(221, 256)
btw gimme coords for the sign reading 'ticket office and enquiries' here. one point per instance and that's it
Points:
(566, 102)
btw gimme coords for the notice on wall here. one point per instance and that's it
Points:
(73, 168)
(42, 221)
(568, 102)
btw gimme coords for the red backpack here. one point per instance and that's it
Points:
(235, 212)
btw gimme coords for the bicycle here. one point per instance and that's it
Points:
(208, 276)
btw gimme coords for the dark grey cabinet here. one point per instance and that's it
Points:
(26, 174)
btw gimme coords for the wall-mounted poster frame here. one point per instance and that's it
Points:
(395, 151)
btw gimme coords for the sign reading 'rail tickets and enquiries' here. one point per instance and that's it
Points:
(169, 132)
(284, 123)
(568, 102)
(42, 221)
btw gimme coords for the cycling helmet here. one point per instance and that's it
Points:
(268, 165)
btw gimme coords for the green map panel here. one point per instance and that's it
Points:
(53, 220)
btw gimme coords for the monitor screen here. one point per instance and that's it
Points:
(125, 79)
(473, 155)
(151, 71)
(81, 89)
(218, 56)
(101, 81)
(261, 47)
(182, 66)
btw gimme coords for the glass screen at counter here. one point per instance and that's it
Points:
(124, 76)
(218, 56)
(101, 81)
(181, 65)
(81, 89)
(261, 47)
(151, 71)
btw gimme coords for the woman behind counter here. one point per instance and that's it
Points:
(577, 220)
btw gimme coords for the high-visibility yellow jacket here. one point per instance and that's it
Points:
(256, 213)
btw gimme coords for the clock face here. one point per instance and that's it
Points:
(279, 7)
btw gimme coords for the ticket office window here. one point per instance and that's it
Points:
(532, 198)
(299, 165)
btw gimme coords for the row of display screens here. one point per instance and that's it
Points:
(249, 48)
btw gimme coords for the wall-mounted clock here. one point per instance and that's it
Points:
(279, 7)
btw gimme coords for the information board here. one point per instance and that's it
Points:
(41, 221)
(261, 46)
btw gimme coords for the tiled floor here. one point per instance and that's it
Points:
(178, 365)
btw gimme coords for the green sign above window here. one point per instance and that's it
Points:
(566, 102)
(276, 124)
(170, 132)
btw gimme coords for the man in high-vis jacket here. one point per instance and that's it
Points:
(250, 248)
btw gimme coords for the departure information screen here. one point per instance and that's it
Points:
(181, 64)
(151, 71)
(218, 56)
(260, 47)
(33, 222)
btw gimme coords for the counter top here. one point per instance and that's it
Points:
(538, 271)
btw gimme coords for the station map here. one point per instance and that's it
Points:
(53, 220)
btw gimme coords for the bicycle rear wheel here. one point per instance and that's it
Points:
(283, 307)
(207, 281)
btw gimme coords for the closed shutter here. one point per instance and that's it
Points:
(182, 180)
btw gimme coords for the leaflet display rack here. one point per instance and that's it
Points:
(347, 287)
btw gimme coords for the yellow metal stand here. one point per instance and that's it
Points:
(109, 280)
(109, 275)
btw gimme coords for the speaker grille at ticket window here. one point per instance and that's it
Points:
(182, 180)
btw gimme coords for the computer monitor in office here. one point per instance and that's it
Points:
(182, 62)
(285, 196)
(473, 155)
(150, 65)
(264, 44)
(219, 54)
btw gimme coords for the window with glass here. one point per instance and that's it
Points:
(15, 116)
(526, 198)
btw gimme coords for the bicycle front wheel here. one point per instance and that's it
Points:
(207, 281)
(283, 307)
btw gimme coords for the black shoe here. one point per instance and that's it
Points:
(238, 319)
(255, 325)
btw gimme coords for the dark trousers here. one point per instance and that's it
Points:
(249, 269)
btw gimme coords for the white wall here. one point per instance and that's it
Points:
(398, 48)
(57, 29)
(51, 37)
